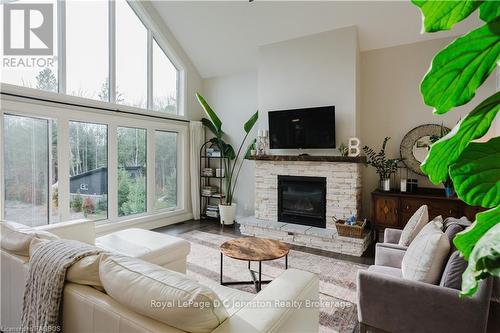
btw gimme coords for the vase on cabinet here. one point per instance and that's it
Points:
(385, 184)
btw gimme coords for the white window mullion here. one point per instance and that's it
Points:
(61, 49)
(150, 167)
(2, 162)
(63, 157)
(183, 180)
(112, 172)
(150, 70)
(112, 52)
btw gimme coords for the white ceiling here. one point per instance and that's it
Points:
(223, 37)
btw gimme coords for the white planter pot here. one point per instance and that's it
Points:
(385, 184)
(227, 214)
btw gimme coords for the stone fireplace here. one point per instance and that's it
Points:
(343, 185)
(302, 200)
(298, 198)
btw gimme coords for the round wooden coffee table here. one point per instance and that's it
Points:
(252, 249)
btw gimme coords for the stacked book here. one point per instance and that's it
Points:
(208, 172)
(212, 211)
(208, 190)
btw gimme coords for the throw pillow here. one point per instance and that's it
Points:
(414, 225)
(425, 257)
(16, 237)
(452, 275)
(146, 288)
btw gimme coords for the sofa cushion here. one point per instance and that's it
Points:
(154, 247)
(452, 275)
(426, 255)
(418, 220)
(16, 237)
(161, 294)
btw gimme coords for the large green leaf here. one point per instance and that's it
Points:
(446, 150)
(476, 174)
(458, 70)
(484, 261)
(251, 122)
(443, 15)
(207, 123)
(210, 113)
(465, 240)
(489, 10)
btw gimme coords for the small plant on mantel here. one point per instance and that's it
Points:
(384, 166)
(455, 74)
(232, 160)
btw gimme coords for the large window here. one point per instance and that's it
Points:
(27, 167)
(88, 170)
(105, 52)
(165, 170)
(164, 82)
(131, 57)
(57, 165)
(87, 54)
(131, 171)
(24, 71)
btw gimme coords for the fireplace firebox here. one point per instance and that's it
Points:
(302, 200)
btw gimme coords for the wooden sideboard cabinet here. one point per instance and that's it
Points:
(394, 209)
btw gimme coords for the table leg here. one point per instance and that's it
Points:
(221, 263)
(248, 264)
(260, 276)
(286, 261)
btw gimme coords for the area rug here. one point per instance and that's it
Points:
(337, 277)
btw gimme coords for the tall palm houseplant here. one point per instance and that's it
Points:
(233, 161)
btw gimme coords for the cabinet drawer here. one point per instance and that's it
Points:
(436, 207)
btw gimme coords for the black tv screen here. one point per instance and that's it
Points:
(302, 128)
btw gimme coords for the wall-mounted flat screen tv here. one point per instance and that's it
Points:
(307, 128)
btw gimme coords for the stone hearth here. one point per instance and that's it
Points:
(319, 238)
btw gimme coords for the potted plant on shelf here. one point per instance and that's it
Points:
(449, 190)
(385, 167)
(232, 160)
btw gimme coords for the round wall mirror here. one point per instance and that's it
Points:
(416, 144)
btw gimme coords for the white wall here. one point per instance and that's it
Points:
(315, 70)
(234, 98)
(391, 103)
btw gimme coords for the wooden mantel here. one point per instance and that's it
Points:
(310, 158)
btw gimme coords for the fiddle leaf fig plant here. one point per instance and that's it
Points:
(232, 160)
(455, 74)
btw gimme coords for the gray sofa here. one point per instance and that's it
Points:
(389, 303)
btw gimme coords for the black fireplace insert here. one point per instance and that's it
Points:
(302, 200)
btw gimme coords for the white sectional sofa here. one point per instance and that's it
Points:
(86, 309)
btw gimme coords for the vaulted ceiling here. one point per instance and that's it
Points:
(223, 37)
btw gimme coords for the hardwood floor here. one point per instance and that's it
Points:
(215, 228)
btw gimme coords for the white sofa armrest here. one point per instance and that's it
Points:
(80, 230)
(288, 304)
